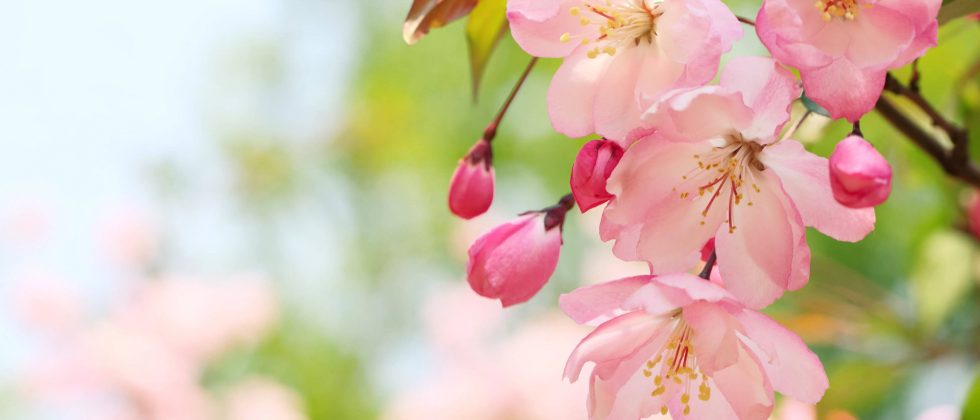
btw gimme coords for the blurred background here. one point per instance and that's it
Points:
(237, 210)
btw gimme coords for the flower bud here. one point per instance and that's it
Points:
(594, 164)
(513, 261)
(471, 188)
(859, 176)
(973, 214)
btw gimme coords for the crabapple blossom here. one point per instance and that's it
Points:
(681, 345)
(592, 167)
(859, 175)
(513, 261)
(844, 48)
(471, 188)
(731, 178)
(620, 55)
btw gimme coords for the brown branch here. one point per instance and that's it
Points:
(956, 160)
(746, 20)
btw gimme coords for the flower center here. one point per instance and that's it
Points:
(618, 24)
(678, 367)
(722, 175)
(841, 9)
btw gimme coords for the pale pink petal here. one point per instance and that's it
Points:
(625, 395)
(785, 28)
(881, 35)
(657, 300)
(538, 26)
(745, 386)
(851, 99)
(617, 106)
(793, 369)
(756, 258)
(767, 88)
(715, 340)
(571, 97)
(694, 287)
(715, 408)
(806, 179)
(680, 117)
(709, 24)
(612, 342)
(922, 13)
(586, 304)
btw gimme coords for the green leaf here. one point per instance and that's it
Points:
(971, 410)
(813, 106)
(486, 25)
(957, 9)
(941, 276)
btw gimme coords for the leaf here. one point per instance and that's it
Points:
(941, 276)
(430, 14)
(813, 106)
(971, 410)
(957, 9)
(487, 24)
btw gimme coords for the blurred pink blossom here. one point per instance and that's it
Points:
(130, 237)
(262, 399)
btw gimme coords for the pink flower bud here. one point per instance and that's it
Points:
(513, 261)
(471, 188)
(859, 176)
(594, 164)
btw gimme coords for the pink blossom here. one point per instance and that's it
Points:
(727, 177)
(620, 55)
(843, 48)
(683, 345)
(594, 164)
(471, 188)
(513, 261)
(859, 175)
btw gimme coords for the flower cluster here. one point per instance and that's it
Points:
(687, 169)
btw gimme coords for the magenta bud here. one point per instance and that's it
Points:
(593, 165)
(859, 176)
(471, 188)
(513, 261)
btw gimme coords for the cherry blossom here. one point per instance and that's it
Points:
(471, 188)
(592, 167)
(859, 175)
(681, 345)
(620, 55)
(844, 48)
(728, 177)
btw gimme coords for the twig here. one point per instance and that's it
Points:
(746, 20)
(708, 265)
(959, 157)
(491, 131)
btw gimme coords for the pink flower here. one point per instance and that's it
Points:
(730, 178)
(843, 48)
(471, 188)
(594, 164)
(620, 55)
(859, 175)
(513, 261)
(683, 345)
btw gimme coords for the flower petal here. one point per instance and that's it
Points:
(715, 340)
(613, 342)
(756, 258)
(806, 178)
(571, 97)
(538, 26)
(590, 303)
(767, 88)
(849, 100)
(794, 369)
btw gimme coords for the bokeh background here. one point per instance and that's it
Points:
(235, 209)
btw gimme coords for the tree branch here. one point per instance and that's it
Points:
(956, 160)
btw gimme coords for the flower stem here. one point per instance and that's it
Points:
(746, 20)
(491, 131)
(708, 265)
